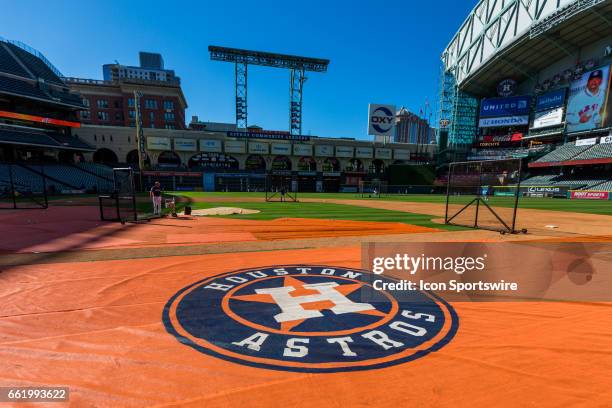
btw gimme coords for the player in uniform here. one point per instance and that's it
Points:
(585, 109)
(484, 192)
(156, 195)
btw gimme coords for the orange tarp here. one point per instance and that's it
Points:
(97, 328)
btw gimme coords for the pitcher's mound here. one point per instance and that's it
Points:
(222, 211)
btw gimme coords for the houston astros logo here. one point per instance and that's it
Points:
(309, 319)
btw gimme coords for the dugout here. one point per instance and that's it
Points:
(240, 182)
(307, 181)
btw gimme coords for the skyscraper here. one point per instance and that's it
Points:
(410, 128)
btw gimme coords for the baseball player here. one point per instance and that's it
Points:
(585, 109)
(156, 195)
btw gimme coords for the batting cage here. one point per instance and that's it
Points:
(21, 188)
(372, 189)
(281, 186)
(120, 205)
(484, 194)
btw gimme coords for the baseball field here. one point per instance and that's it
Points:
(189, 310)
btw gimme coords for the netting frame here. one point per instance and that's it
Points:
(121, 192)
(41, 203)
(367, 189)
(510, 227)
(274, 193)
(115, 201)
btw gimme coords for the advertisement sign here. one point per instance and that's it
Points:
(302, 150)
(505, 107)
(258, 147)
(550, 100)
(544, 191)
(586, 142)
(586, 100)
(38, 119)
(210, 145)
(590, 195)
(364, 152)
(185, 145)
(605, 139)
(344, 151)
(401, 154)
(505, 121)
(383, 153)
(381, 119)
(158, 143)
(324, 150)
(548, 118)
(234, 146)
(268, 134)
(281, 148)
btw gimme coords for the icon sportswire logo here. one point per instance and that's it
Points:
(308, 318)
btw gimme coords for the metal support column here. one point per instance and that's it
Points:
(295, 103)
(241, 95)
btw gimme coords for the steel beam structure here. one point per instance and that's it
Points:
(297, 66)
(295, 101)
(494, 25)
(241, 95)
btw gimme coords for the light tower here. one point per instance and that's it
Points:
(297, 65)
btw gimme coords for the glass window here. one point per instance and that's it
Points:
(132, 114)
(131, 102)
(86, 102)
(168, 105)
(150, 104)
(102, 103)
(102, 115)
(169, 116)
(85, 115)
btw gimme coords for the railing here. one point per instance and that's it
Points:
(34, 52)
(88, 81)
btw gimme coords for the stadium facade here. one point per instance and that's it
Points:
(318, 163)
(532, 80)
(38, 112)
(80, 128)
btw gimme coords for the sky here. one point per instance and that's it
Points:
(380, 52)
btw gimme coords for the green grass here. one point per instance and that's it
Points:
(603, 207)
(275, 210)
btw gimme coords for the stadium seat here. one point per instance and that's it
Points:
(565, 152)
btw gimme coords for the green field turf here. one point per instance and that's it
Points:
(275, 210)
(603, 207)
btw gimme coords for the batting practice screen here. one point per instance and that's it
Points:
(484, 194)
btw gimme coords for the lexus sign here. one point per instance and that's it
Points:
(381, 120)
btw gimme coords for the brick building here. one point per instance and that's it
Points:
(112, 103)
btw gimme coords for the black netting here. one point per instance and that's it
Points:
(21, 188)
(484, 194)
